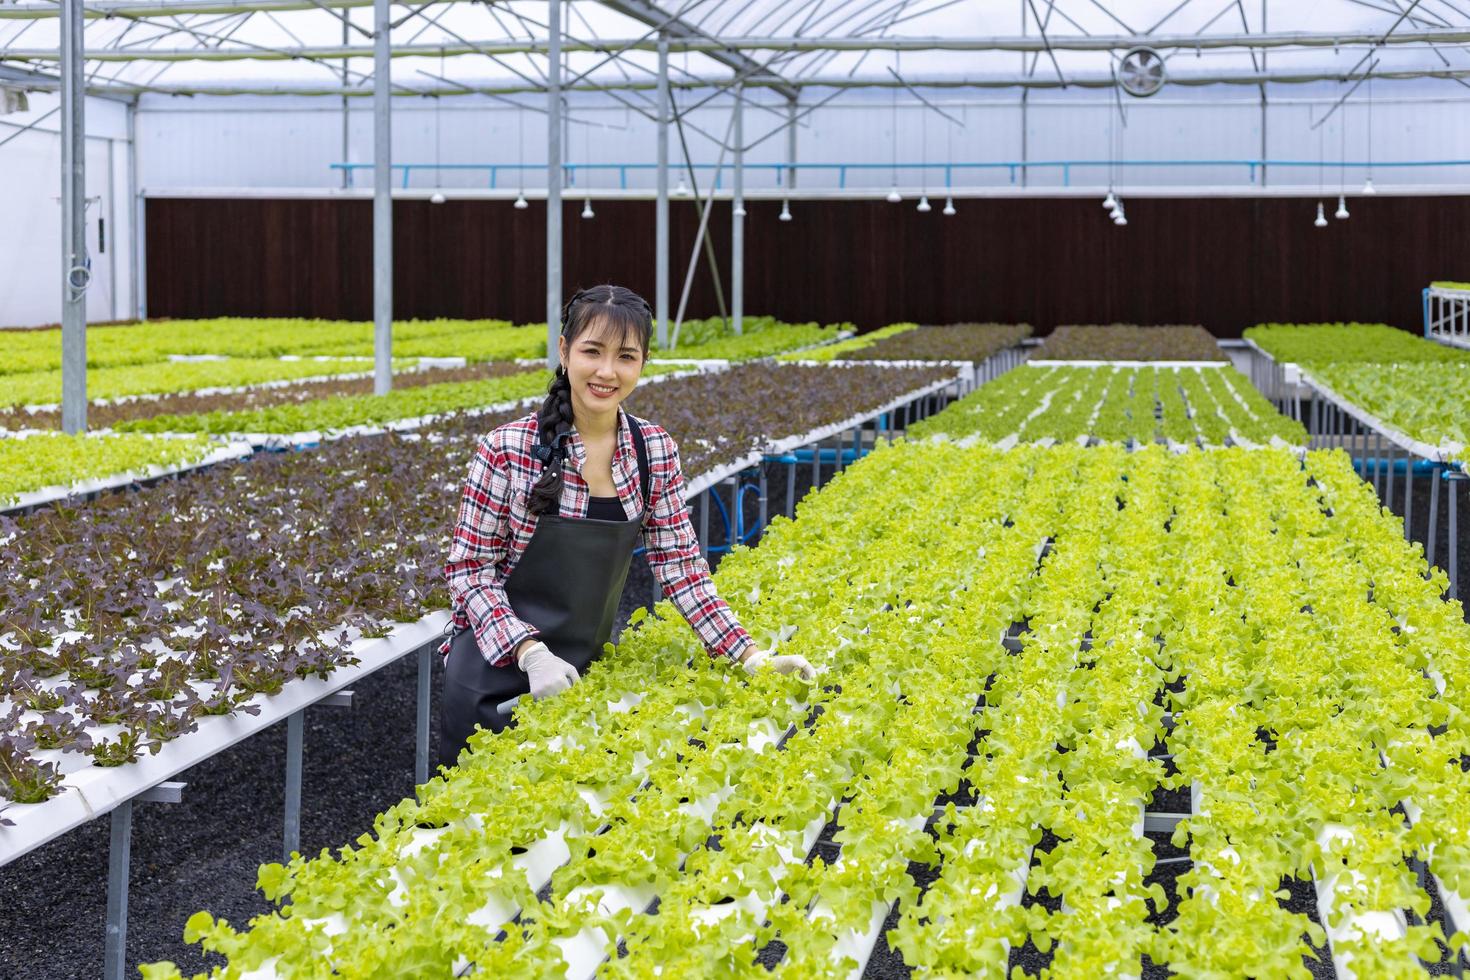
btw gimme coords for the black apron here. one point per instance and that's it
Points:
(566, 585)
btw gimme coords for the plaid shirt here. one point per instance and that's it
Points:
(495, 526)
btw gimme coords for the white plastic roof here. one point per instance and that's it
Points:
(1416, 31)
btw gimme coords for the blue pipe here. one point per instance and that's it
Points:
(828, 456)
(1372, 463)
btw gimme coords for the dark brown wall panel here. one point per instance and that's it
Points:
(1226, 263)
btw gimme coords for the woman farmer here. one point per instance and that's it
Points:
(554, 505)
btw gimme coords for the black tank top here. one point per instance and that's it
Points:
(605, 509)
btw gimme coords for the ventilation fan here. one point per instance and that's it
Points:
(1141, 72)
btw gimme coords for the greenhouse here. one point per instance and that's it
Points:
(797, 488)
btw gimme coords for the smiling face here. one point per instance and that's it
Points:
(603, 365)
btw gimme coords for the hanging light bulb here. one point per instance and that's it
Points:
(924, 204)
(739, 212)
(1342, 211)
(785, 214)
(1110, 202)
(521, 203)
(1321, 221)
(1116, 213)
(1121, 219)
(948, 206)
(1368, 187)
(587, 208)
(893, 195)
(436, 198)
(683, 189)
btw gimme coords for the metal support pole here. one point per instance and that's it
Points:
(75, 264)
(421, 722)
(1409, 499)
(791, 489)
(661, 201)
(382, 202)
(704, 523)
(1454, 542)
(1264, 154)
(553, 184)
(108, 238)
(816, 464)
(737, 220)
(1431, 540)
(346, 116)
(119, 857)
(791, 114)
(765, 506)
(294, 737)
(841, 448)
(1388, 474)
(135, 211)
(1378, 463)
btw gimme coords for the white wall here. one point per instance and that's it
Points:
(204, 143)
(30, 214)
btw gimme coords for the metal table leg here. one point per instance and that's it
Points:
(118, 862)
(1392, 451)
(763, 503)
(294, 739)
(1434, 480)
(1409, 499)
(421, 722)
(704, 525)
(1454, 543)
(791, 489)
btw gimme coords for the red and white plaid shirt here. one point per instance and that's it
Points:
(494, 528)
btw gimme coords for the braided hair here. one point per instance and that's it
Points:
(617, 310)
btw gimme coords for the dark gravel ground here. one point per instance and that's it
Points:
(204, 852)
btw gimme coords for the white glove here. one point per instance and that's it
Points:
(786, 663)
(548, 673)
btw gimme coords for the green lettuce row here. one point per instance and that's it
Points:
(56, 460)
(1239, 561)
(44, 387)
(838, 350)
(1314, 344)
(1295, 650)
(933, 658)
(761, 337)
(1138, 405)
(1110, 720)
(1427, 402)
(749, 796)
(527, 782)
(327, 414)
(1450, 284)
(265, 337)
(346, 411)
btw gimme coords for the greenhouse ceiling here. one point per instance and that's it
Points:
(452, 47)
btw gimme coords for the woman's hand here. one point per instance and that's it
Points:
(547, 673)
(786, 663)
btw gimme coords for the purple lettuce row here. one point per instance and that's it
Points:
(247, 570)
(1123, 342)
(762, 402)
(239, 569)
(957, 342)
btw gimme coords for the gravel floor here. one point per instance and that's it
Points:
(203, 852)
